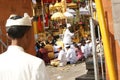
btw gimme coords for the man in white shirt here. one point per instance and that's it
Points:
(15, 63)
(87, 50)
(67, 39)
(62, 57)
(71, 55)
(61, 60)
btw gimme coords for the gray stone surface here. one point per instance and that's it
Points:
(116, 18)
(68, 72)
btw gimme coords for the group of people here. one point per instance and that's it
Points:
(70, 53)
(61, 55)
(16, 64)
(75, 52)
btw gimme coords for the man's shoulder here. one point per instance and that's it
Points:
(35, 61)
(70, 50)
(23, 58)
(31, 58)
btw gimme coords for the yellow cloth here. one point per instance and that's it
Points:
(35, 27)
(60, 43)
(50, 50)
(54, 63)
(51, 55)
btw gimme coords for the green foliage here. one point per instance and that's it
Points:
(82, 0)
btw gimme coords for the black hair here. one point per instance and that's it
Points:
(42, 45)
(15, 17)
(17, 31)
(76, 46)
(60, 48)
(37, 45)
(68, 47)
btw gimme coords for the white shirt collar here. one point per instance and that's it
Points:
(14, 48)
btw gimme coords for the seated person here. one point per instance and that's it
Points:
(44, 53)
(50, 39)
(55, 46)
(71, 55)
(79, 53)
(50, 50)
(61, 60)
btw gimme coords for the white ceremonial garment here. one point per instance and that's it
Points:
(15, 64)
(87, 51)
(71, 56)
(62, 58)
(83, 49)
(90, 46)
(67, 39)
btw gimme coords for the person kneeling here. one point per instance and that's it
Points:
(61, 60)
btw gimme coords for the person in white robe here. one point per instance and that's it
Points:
(15, 63)
(61, 60)
(87, 50)
(71, 55)
(62, 56)
(67, 39)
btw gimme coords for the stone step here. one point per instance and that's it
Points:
(91, 72)
(90, 65)
(87, 77)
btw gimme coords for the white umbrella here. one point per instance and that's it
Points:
(68, 15)
(58, 16)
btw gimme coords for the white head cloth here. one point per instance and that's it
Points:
(24, 21)
(67, 45)
(68, 25)
(58, 47)
(87, 41)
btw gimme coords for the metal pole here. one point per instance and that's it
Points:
(95, 60)
(106, 42)
(99, 33)
(3, 43)
(101, 58)
(43, 14)
(96, 71)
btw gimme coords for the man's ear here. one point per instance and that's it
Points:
(8, 36)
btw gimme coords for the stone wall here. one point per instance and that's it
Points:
(116, 26)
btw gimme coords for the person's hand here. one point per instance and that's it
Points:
(76, 31)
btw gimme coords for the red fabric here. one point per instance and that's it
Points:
(44, 55)
(46, 19)
(69, 1)
(40, 28)
(79, 54)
